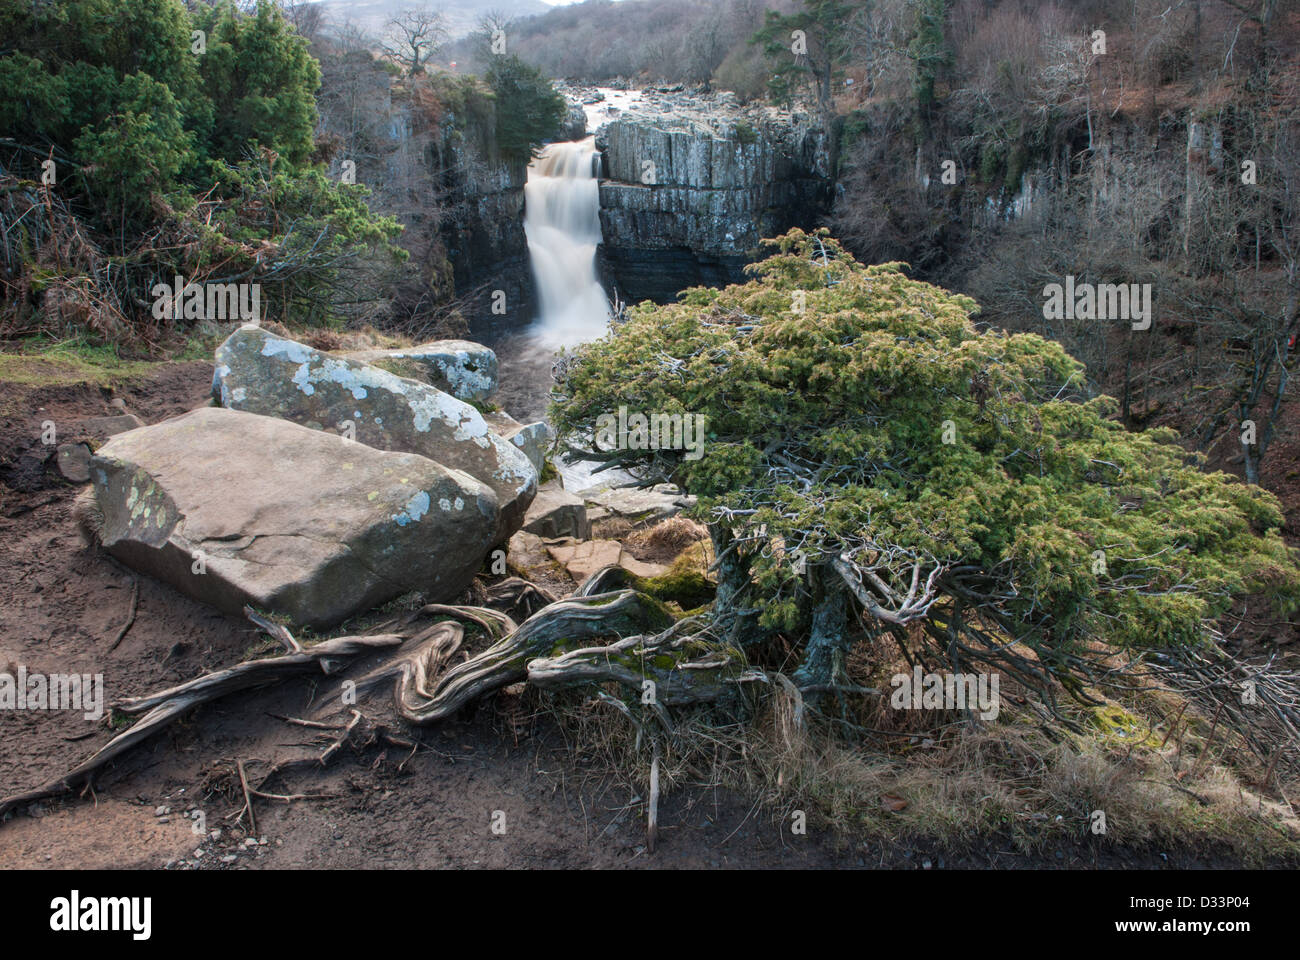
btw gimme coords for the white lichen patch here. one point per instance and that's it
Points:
(302, 380)
(467, 369)
(219, 383)
(515, 465)
(428, 404)
(291, 350)
(416, 507)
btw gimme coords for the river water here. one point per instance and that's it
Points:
(562, 223)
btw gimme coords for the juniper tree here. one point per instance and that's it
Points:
(875, 464)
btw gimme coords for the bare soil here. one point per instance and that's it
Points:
(383, 806)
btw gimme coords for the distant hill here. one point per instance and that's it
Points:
(462, 15)
(676, 41)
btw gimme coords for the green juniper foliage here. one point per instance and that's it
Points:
(528, 107)
(261, 81)
(173, 161)
(830, 390)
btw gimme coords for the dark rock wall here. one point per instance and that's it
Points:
(486, 243)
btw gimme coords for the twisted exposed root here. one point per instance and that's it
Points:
(684, 668)
(637, 641)
(519, 596)
(495, 623)
(607, 578)
(328, 657)
(161, 708)
(420, 698)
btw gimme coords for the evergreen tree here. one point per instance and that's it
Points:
(811, 43)
(528, 108)
(929, 50)
(261, 80)
(873, 463)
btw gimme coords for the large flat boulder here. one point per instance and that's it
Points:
(582, 558)
(234, 508)
(259, 372)
(466, 370)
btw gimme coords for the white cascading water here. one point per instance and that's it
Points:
(562, 223)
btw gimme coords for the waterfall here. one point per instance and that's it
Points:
(562, 223)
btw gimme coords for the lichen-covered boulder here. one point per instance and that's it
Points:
(259, 372)
(234, 508)
(531, 438)
(466, 370)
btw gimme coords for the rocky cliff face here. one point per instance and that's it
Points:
(442, 175)
(690, 183)
(485, 239)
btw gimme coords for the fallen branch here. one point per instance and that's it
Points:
(160, 709)
(652, 805)
(342, 738)
(248, 800)
(130, 617)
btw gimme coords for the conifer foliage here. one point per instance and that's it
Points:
(874, 461)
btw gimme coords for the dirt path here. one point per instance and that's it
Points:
(385, 807)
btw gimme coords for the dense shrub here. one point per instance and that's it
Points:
(869, 450)
(172, 156)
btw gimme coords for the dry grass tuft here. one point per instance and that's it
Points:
(665, 541)
(952, 783)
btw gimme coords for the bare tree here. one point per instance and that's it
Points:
(414, 36)
(1250, 296)
(306, 17)
(704, 49)
(490, 38)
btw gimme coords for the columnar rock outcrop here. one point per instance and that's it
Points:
(692, 183)
(723, 176)
(259, 372)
